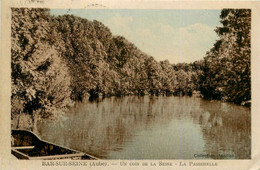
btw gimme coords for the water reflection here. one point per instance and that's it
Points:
(154, 128)
(227, 130)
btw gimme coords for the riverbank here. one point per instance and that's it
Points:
(26, 121)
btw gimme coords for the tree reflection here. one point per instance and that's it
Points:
(226, 129)
(100, 128)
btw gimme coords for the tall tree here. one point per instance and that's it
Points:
(227, 73)
(40, 79)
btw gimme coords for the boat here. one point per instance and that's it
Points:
(27, 145)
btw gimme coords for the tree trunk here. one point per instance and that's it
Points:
(35, 118)
(18, 121)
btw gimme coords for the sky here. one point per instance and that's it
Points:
(169, 34)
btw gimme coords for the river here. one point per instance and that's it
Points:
(155, 127)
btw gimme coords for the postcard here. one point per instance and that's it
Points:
(130, 85)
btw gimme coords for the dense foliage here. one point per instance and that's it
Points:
(40, 79)
(226, 71)
(102, 64)
(58, 60)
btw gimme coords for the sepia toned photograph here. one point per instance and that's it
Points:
(131, 84)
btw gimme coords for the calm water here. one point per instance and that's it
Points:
(154, 128)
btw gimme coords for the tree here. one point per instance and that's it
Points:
(40, 79)
(227, 73)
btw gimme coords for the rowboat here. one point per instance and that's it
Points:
(27, 145)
